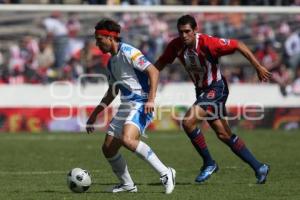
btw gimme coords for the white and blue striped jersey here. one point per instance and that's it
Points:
(126, 72)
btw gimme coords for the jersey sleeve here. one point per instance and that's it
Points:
(136, 57)
(169, 54)
(139, 61)
(220, 46)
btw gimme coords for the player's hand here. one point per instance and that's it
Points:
(149, 107)
(90, 123)
(263, 74)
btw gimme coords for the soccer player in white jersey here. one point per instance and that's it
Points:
(132, 74)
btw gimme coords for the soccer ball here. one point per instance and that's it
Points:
(79, 180)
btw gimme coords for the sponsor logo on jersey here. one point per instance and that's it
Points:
(142, 60)
(127, 49)
(224, 41)
(211, 94)
(210, 109)
(136, 55)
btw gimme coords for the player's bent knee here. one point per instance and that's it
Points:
(108, 151)
(128, 143)
(223, 136)
(105, 149)
(188, 125)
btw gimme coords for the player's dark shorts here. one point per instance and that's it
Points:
(213, 98)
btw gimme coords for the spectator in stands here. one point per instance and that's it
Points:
(292, 49)
(271, 60)
(45, 59)
(147, 47)
(57, 34)
(3, 69)
(159, 33)
(22, 60)
(16, 65)
(294, 88)
(74, 42)
(212, 21)
(1, 60)
(262, 30)
(296, 82)
(29, 52)
(73, 25)
(237, 75)
(268, 56)
(93, 60)
(283, 77)
(284, 29)
(72, 70)
(235, 23)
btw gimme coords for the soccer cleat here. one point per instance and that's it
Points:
(206, 172)
(262, 174)
(123, 188)
(168, 180)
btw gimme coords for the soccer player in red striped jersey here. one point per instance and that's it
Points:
(199, 54)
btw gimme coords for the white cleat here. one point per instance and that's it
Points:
(123, 188)
(168, 180)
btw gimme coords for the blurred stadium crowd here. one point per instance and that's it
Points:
(161, 2)
(60, 46)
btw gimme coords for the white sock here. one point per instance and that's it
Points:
(119, 167)
(146, 153)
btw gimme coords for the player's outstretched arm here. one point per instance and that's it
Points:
(159, 65)
(262, 73)
(153, 75)
(106, 101)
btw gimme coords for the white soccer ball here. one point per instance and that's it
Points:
(79, 180)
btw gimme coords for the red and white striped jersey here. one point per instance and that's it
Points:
(201, 62)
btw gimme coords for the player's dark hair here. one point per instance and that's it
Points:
(187, 19)
(110, 25)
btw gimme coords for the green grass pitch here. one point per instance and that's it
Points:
(34, 167)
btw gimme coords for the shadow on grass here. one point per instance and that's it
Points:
(152, 184)
(159, 184)
(109, 184)
(92, 192)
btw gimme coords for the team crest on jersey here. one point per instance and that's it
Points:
(142, 60)
(211, 94)
(224, 41)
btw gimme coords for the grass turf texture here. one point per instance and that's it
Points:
(34, 166)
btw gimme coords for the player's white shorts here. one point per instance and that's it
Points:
(129, 113)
